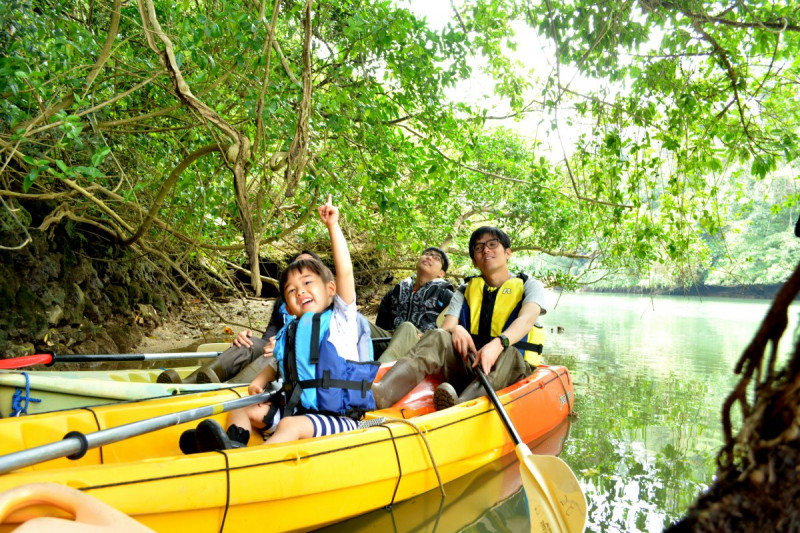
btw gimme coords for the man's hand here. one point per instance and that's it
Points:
(488, 355)
(269, 347)
(328, 213)
(462, 341)
(242, 339)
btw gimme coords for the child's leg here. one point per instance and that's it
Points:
(249, 418)
(311, 425)
(292, 428)
(209, 435)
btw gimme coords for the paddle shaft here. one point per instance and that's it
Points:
(51, 358)
(497, 404)
(75, 444)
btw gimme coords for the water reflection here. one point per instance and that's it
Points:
(650, 379)
(490, 499)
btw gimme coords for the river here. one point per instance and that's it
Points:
(650, 378)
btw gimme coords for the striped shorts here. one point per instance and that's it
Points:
(328, 425)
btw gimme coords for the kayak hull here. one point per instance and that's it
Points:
(294, 486)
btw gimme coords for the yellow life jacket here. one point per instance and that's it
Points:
(487, 312)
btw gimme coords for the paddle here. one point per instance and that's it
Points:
(546, 477)
(75, 444)
(49, 358)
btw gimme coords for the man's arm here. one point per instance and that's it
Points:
(519, 328)
(462, 340)
(385, 318)
(444, 298)
(516, 331)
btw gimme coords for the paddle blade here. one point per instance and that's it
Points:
(556, 500)
(26, 360)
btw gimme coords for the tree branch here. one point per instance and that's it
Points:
(162, 194)
(237, 155)
(297, 155)
(105, 52)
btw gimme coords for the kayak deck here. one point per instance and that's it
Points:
(339, 476)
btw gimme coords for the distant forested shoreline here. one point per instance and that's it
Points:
(756, 291)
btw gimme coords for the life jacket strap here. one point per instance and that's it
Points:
(294, 399)
(276, 405)
(528, 347)
(523, 346)
(327, 382)
(315, 326)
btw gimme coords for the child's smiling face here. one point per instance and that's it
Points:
(305, 291)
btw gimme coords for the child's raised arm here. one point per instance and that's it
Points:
(345, 283)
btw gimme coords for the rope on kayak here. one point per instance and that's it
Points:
(564, 387)
(227, 489)
(399, 465)
(17, 407)
(97, 423)
(427, 445)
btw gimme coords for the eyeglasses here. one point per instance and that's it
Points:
(491, 244)
(433, 255)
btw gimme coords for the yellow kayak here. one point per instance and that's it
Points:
(467, 501)
(295, 486)
(32, 392)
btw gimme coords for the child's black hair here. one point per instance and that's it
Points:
(307, 252)
(311, 265)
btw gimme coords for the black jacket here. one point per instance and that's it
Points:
(421, 308)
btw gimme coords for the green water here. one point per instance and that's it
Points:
(650, 378)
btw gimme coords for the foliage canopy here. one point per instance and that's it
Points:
(212, 129)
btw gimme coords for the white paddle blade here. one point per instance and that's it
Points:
(555, 497)
(214, 347)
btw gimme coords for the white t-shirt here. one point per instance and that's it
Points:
(344, 328)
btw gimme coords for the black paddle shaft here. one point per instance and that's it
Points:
(496, 401)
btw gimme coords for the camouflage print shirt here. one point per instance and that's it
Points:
(421, 308)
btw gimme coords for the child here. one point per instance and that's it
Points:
(325, 382)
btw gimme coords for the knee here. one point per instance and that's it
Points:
(292, 422)
(291, 425)
(257, 413)
(438, 335)
(406, 328)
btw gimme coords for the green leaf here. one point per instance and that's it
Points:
(99, 156)
(30, 178)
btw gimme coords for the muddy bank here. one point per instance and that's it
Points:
(198, 323)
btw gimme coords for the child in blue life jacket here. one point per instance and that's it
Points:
(326, 380)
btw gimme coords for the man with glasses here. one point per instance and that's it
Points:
(492, 316)
(413, 305)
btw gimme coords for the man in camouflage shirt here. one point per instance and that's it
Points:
(413, 305)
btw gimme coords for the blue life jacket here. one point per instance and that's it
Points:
(315, 377)
(365, 349)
